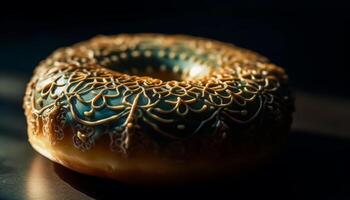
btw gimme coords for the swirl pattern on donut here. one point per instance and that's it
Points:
(148, 90)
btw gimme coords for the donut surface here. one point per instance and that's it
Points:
(147, 107)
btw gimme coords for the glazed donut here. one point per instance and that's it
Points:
(148, 107)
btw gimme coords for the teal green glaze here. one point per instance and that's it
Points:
(157, 61)
(136, 93)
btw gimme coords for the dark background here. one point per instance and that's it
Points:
(309, 39)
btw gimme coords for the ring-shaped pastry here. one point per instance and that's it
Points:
(150, 107)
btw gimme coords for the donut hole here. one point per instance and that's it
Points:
(165, 65)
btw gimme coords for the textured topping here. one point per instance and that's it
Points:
(153, 87)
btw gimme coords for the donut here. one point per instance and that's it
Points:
(153, 108)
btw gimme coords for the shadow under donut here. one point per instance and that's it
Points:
(312, 166)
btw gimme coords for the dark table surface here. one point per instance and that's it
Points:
(315, 164)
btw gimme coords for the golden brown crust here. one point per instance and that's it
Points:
(100, 161)
(230, 108)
